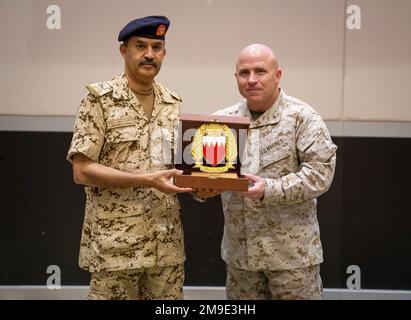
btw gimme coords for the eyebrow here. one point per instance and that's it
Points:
(252, 68)
(146, 42)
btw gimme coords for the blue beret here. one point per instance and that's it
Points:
(154, 27)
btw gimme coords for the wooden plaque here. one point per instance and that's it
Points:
(208, 152)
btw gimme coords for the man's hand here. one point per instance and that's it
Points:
(160, 180)
(256, 192)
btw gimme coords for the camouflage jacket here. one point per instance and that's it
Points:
(127, 228)
(290, 146)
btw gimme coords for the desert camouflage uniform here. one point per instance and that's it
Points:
(290, 146)
(156, 283)
(135, 227)
(294, 284)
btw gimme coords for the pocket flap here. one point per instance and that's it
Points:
(275, 156)
(123, 133)
(120, 122)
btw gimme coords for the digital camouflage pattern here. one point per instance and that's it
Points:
(157, 283)
(290, 146)
(128, 228)
(295, 284)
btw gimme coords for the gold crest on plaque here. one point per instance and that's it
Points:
(214, 148)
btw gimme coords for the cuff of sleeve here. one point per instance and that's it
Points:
(88, 153)
(273, 191)
(70, 155)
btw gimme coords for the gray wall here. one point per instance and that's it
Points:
(344, 74)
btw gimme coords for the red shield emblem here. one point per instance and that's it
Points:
(214, 150)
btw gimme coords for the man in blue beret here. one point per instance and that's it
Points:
(132, 239)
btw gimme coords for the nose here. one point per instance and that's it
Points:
(252, 79)
(149, 54)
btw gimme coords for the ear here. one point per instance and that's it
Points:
(123, 49)
(278, 75)
(165, 51)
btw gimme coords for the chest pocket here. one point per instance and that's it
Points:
(164, 139)
(274, 150)
(169, 127)
(122, 130)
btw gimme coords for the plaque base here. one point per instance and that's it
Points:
(216, 181)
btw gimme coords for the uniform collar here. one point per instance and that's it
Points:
(271, 115)
(162, 94)
(122, 91)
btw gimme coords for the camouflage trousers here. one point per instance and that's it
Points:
(157, 283)
(295, 284)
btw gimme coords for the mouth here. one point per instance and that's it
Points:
(148, 64)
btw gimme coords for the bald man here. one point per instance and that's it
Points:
(271, 243)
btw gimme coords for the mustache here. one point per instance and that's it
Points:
(150, 63)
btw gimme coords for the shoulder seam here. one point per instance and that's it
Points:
(174, 95)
